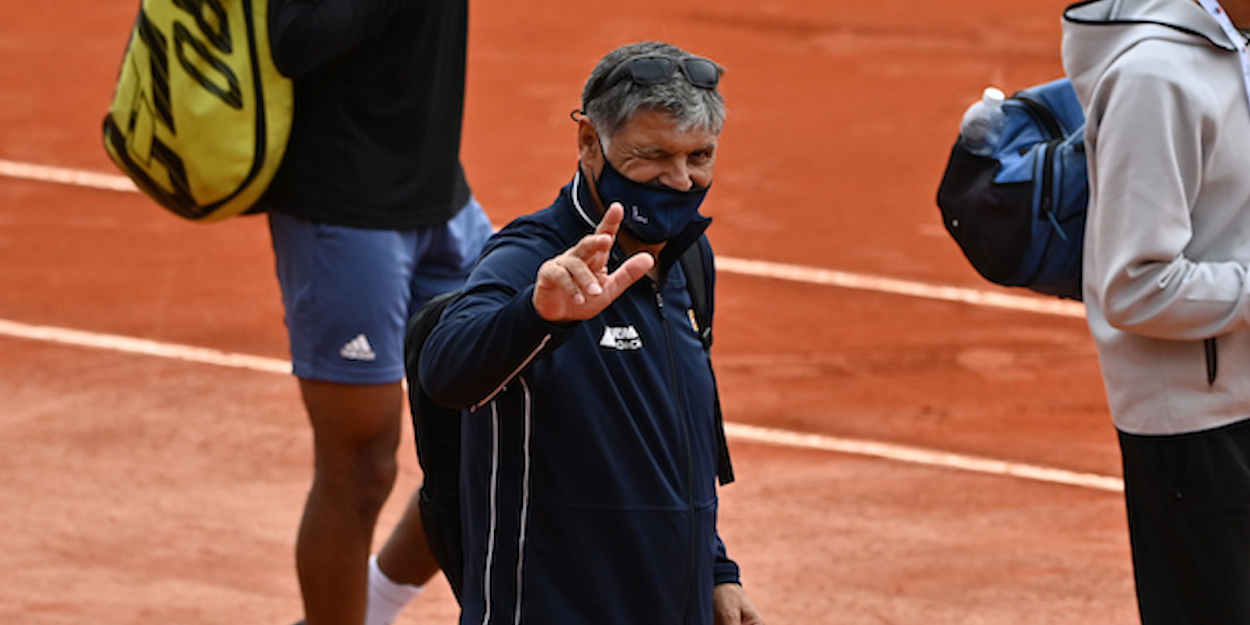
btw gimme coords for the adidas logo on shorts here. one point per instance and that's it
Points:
(358, 349)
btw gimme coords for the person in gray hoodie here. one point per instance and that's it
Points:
(1167, 285)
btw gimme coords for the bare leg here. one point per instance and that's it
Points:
(406, 557)
(356, 434)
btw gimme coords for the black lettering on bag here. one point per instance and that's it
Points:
(232, 93)
(159, 68)
(214, 26)
(177, 173)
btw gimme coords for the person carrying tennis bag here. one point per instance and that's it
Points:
(200, 116)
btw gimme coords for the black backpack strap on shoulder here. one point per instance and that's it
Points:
(700, 272)
(437, 432)
(696, 261)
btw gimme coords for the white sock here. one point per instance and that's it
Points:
(386, 598)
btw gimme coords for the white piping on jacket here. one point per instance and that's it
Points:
(523, 532)
(515, 372)
(577, 203)
(494, 512)
(525, 501)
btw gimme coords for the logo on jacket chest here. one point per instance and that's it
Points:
(621, 338)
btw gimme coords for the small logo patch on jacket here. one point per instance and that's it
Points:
(621, 338)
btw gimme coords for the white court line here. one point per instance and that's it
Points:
(61, 175)
(736, 431)
(862, 282)
(758, 268)
(917, 455)
(130, 345)
(809, 275)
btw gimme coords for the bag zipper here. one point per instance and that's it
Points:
(1043, 115)
(1050, 123)
(1048, 187)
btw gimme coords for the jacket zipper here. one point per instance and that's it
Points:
(685, 428)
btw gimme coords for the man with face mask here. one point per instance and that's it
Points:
(589, 449)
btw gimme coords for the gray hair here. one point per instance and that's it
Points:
(694, 107)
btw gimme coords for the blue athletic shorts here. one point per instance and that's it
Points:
(348, 292)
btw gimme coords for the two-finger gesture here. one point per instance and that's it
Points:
(576, 285)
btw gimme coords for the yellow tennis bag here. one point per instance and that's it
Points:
(200, 117)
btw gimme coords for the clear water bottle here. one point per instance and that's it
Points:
(982, 125)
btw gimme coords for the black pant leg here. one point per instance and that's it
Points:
(1188, 502)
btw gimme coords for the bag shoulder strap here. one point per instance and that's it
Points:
(696, 262)
(700, 272)
(433, 425)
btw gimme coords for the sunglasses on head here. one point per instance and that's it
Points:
(659, 69)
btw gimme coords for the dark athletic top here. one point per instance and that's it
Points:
(379, 97)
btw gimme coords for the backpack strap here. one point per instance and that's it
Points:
(700, 281)
(437, 432)
(700, 272)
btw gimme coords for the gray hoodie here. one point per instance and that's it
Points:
(1167, 249)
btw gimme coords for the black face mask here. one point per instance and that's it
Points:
(653, 213)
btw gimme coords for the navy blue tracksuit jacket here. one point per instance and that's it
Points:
(589, 450)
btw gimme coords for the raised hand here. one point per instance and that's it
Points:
(576, 285)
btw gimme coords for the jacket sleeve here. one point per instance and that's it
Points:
(491, 332)
(1150, 143)
(306, 34)
(726, 570)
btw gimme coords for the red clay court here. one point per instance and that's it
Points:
(913, 445)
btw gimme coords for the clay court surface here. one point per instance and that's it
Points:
(139, 488)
